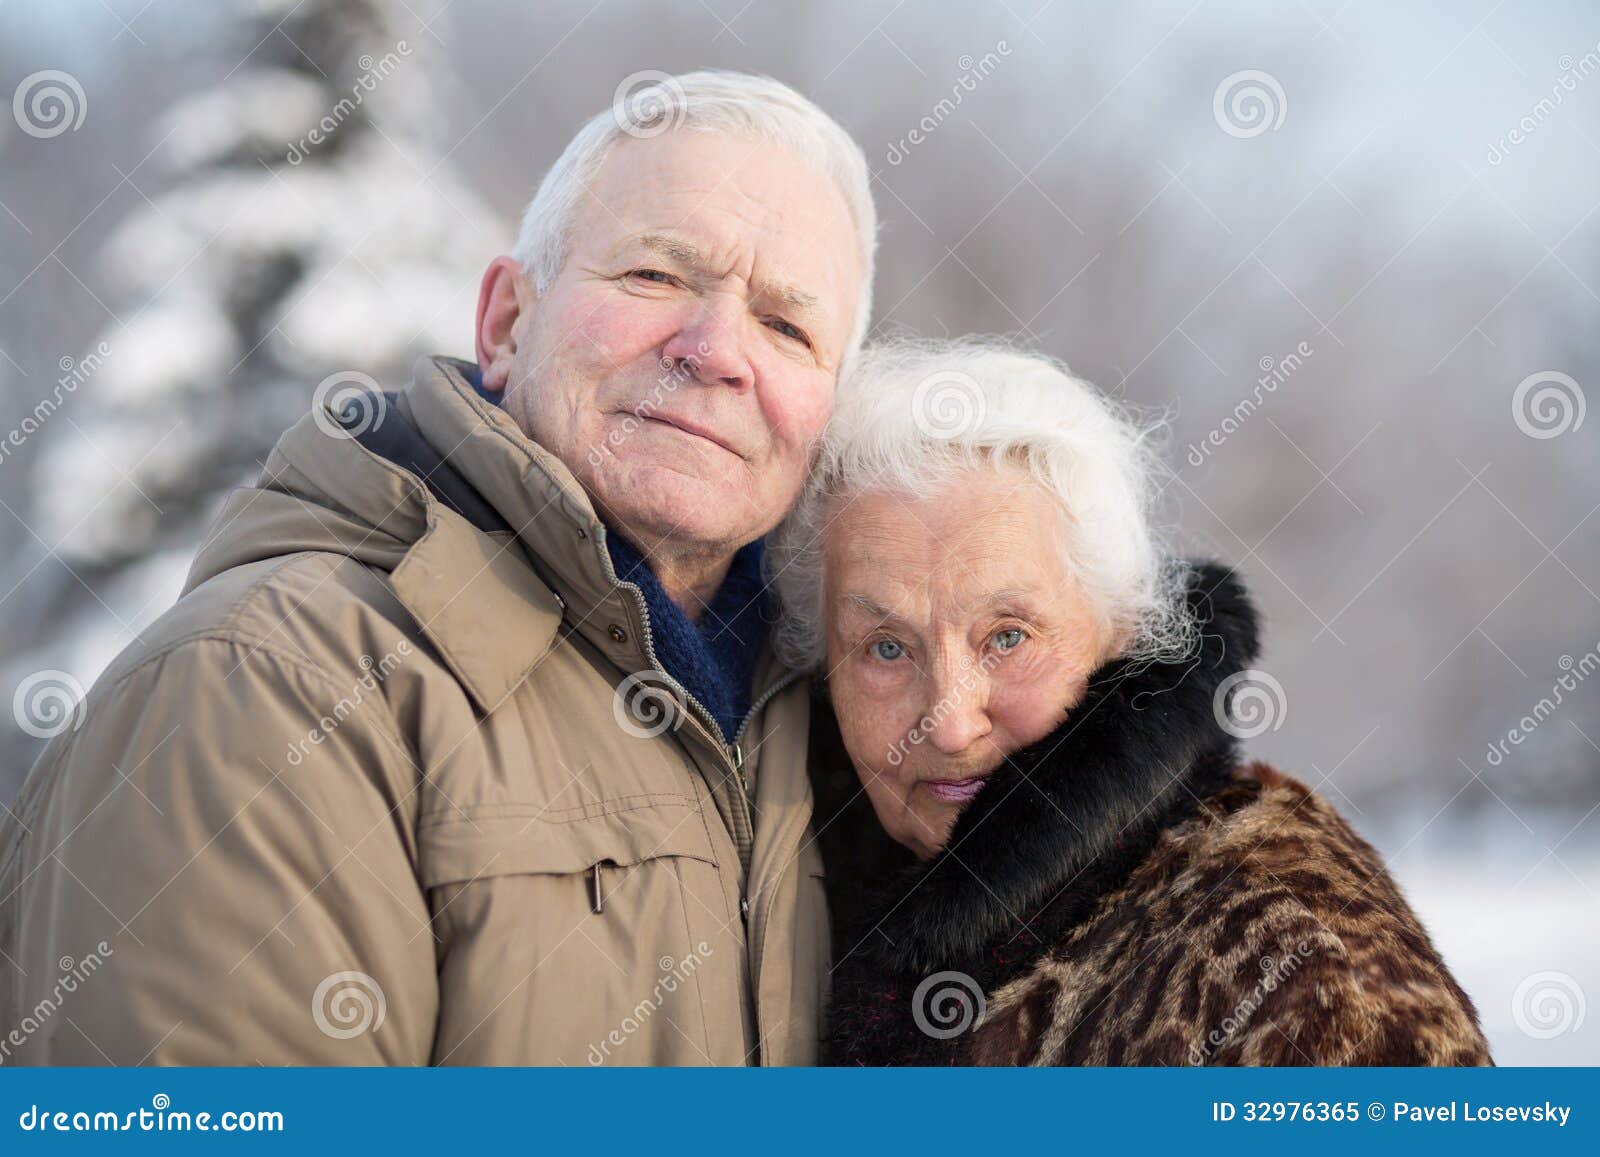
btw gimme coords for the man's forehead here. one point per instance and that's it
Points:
(707, 183)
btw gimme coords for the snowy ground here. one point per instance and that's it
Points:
(1512, 904)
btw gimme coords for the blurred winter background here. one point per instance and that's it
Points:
(1351, 247)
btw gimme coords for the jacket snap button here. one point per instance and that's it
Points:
(618, 634)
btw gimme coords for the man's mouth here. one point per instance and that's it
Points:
(955, 790)
(685, 426)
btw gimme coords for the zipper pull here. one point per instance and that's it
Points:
(744, 909)
(736, 753)
(597, 900)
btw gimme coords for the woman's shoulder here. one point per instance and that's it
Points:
(1266, 839)
(1272, 882)
(1259, 930)
(1268, 819)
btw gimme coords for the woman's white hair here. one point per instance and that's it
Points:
(711, 100)
(917, 414)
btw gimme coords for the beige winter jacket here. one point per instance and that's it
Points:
(379, 789)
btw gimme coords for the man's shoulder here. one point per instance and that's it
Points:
(326, 612)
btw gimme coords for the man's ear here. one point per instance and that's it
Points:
(502, 296)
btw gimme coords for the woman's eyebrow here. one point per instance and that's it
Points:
(871, 608)
(1020, 597)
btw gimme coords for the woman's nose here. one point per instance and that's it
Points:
(959, 716)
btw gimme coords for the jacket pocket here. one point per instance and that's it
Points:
(534, 971)
(508, 840)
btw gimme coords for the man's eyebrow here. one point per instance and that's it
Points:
(681, 251)
(792, 296)
(668, 246)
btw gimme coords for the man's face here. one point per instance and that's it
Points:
(683, 362)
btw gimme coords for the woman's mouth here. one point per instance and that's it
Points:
(954, 790)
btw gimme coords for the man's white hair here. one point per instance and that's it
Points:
(915, 415)
(734, 103)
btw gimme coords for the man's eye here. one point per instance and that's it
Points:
(790, 331)
(654, 275)
(886, 649)
(1008, 639)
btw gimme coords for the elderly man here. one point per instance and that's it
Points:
(464, 744)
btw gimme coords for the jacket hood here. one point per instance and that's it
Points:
(322, 490)
(1146, 741)
(490, 609)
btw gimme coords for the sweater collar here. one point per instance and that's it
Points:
(714, 657)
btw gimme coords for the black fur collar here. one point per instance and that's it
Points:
(1061, 816)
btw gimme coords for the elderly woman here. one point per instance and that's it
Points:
(1041, 844)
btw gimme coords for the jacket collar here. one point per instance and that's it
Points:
(1145, 742)
(492, 605)
(527, 485)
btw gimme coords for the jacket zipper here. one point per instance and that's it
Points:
(732, 752)
(733, 755)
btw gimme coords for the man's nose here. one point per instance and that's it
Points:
(709, 348)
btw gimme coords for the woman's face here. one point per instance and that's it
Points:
(954, 639)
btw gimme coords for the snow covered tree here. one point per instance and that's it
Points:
(309, 225)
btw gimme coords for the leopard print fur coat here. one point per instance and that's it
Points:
(1126, 892)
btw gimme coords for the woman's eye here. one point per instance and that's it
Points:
(654, 275)
(1008, 639)
(790, 331)
(886, 649)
